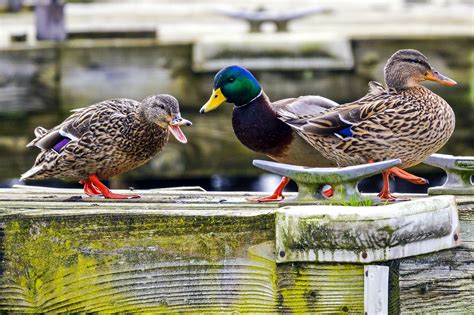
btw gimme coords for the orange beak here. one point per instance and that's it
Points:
(438, 77)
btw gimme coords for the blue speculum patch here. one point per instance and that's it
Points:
(61, 143)
(346, 132)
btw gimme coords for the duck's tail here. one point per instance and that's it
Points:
(31, 172)
(40, 132)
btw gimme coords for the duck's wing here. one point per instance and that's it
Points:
(303, 107)
(90, 120)
(340, 119)
(80, 122)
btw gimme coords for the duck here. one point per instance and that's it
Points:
(401, 120)
(106, 139)
(256, 123)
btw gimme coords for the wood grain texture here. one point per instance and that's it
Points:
(321, 288)
(133, 262)
(191, 251)
(443, 281)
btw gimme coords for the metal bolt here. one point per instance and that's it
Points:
(456, 237)
(424, 288)
(282, 253)
(364, 255)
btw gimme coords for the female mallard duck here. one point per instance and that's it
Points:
(106, 139)
(404, 120)
(257, 126)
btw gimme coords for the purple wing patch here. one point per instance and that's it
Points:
(61, 143)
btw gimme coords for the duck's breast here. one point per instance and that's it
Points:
(258, 128)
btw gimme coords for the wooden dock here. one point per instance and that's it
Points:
(194, 251)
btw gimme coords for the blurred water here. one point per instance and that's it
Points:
(37, 89)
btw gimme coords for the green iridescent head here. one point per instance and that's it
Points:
(235, 85)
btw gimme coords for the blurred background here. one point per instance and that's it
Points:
(56, 56)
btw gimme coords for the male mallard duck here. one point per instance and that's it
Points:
(404, 120)
(106, 139)
(257, 126)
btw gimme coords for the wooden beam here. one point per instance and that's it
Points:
(185, 251)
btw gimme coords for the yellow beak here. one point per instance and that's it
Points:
(217, 98)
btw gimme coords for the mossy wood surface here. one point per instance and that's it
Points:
(190, 251)
(444, 281)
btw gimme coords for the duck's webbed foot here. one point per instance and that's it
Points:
(391, 173)
(89, 188)
(395, 171)
(387, 196)
(277, 194)
(94, 187)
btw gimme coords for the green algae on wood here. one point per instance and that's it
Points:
(189, 251)
(317, 288)
(321, 233)
(303, 288)
(128, 262)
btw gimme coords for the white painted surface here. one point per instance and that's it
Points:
(375, 289)
(367, 234)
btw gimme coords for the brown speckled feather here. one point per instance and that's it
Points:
(385, 124)
(107, 138)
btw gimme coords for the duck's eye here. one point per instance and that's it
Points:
(231, 79)
(161, 106)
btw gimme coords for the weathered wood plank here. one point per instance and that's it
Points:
(191, 251)
(124, 262)
(314, 288)
(443, 281)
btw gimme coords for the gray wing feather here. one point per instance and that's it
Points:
(304, 107)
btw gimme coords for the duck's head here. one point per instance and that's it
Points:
(408, 67)
(163, 110)
(235, 85)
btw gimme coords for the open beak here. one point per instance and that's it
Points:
(217, 98)
(176, 130)
(438, 77)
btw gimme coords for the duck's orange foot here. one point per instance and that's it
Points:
(89, 188)
(111, 195)
(387, 196)
(395, 171)
(277, 194)
(94, 187)
(271, 198)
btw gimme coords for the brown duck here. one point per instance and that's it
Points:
(106, 139)
(404, 120)
(256, 123)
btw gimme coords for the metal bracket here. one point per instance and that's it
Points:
(376, 289)
(280, 19)
(310, 181)
(459, 170)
